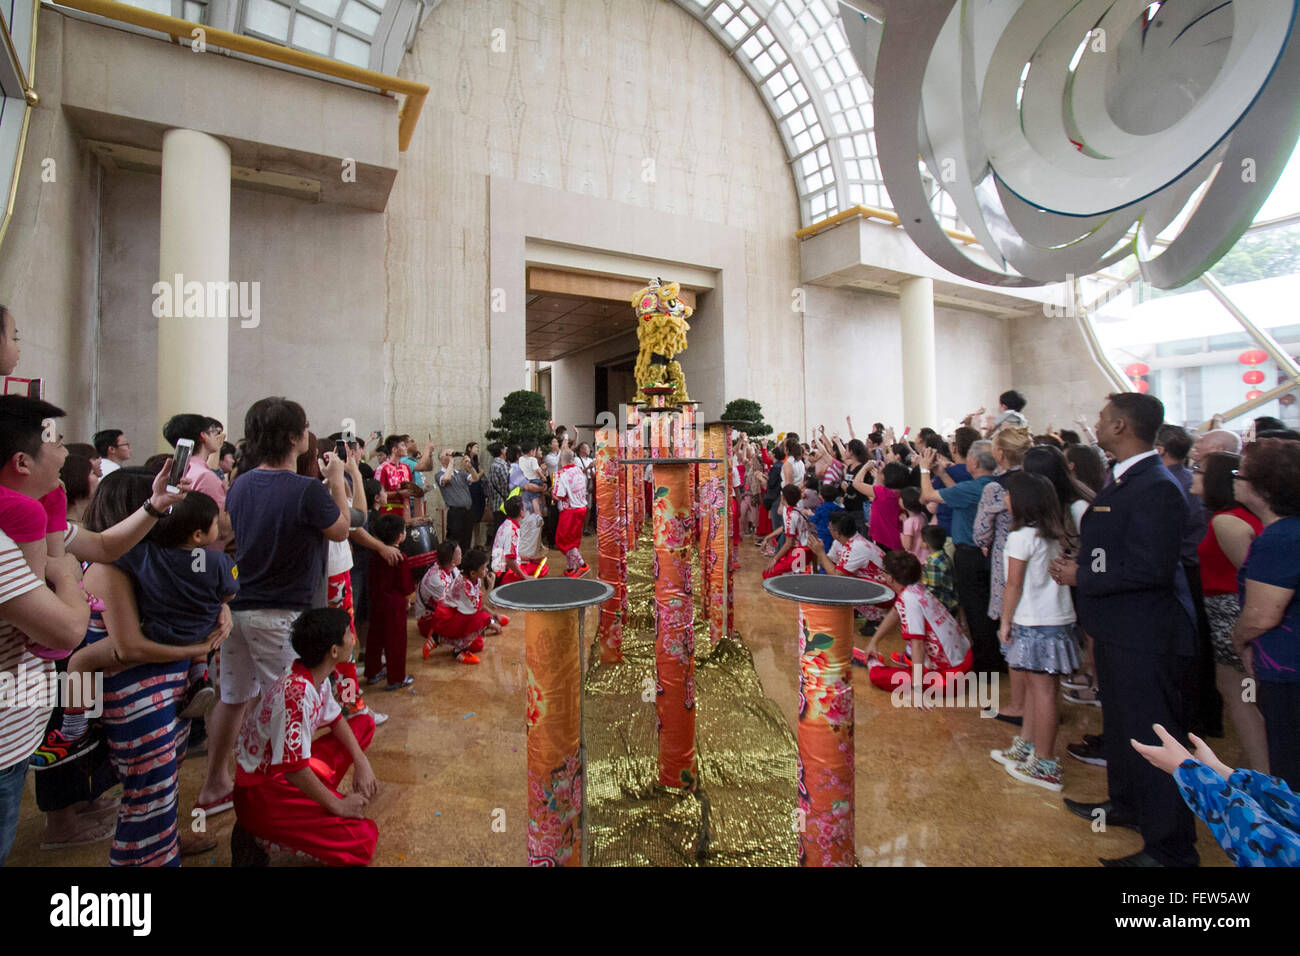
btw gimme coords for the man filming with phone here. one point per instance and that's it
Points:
(454, 481)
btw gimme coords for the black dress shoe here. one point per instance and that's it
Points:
(1141, 858)
(1016, 721)
(1088, 811)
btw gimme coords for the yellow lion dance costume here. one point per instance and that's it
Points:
(661, 330)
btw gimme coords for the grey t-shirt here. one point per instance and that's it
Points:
(455, 494)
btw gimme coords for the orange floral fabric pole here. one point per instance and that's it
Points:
(731, 546)
(713, 531)
(825, 736)
(674, 632)
(554, 721)
(611, 561)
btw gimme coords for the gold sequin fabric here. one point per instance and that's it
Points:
(743, 813)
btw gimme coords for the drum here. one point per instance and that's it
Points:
(420, 545)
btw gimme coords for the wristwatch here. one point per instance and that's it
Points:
(153, 512)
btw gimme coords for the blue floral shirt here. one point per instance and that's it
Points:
(1255, 817)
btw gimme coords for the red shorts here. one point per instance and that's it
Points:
(798, 560)
(568, 530)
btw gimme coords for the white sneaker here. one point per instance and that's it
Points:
(1018, 752)
(378, 717)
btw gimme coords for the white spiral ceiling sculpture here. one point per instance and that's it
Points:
(1056, 126)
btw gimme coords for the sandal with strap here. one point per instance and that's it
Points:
(1081, 681)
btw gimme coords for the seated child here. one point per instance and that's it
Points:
(936, 571)
(827, 508)
(181, 589)
(532, 552)
(570, 493)
(436, 584)
(505, 546)
(468, 622)
(286, 782)
(854, 556)
(936, 644)
(390, 588)
(793, 556)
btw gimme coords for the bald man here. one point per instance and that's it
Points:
(1215, 440)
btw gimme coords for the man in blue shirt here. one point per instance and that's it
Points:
(970, 564)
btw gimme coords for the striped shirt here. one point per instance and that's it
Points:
(22, 673)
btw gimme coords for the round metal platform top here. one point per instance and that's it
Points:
(550, 594)
(832, 589)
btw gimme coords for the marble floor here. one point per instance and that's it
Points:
(451, 765)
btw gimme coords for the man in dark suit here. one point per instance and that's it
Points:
(1134, 601)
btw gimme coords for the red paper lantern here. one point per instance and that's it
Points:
(1253, 394)
(1142, 385)
(1253, 377)
(1136, 369)
(1253, 357)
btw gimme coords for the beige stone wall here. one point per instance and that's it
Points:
(583, 95)
(853, 367)
(47, 274)
(321, 325)
(1051, 365)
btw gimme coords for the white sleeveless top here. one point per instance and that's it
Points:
(797, 469)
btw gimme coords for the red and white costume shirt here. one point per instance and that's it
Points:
(923, 616)
(861, 559)
(465, 596)
(276, 737)
(505, 545)
(434, 586)
(392, 475)
(570, 488)
(797, 528)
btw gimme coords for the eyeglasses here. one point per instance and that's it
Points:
(123, 444)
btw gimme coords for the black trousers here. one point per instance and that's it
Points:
(1139, 689)
(460, 527)
(1204, 702)
(970, 574)
(1280, 704)
(550, 519)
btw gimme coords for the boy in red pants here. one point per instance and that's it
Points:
(570, 492)
(794, 556)
(286, 784)
(390, 588)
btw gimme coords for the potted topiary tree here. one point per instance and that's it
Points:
(522, 422)
(746, 415)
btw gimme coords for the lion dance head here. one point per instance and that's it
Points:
(661, 330)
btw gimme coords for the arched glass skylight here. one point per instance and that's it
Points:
(797, 55)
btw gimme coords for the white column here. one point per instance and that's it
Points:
(916, 312)
(194, 247)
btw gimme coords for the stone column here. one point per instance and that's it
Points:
(194, 266)
(916, 314)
